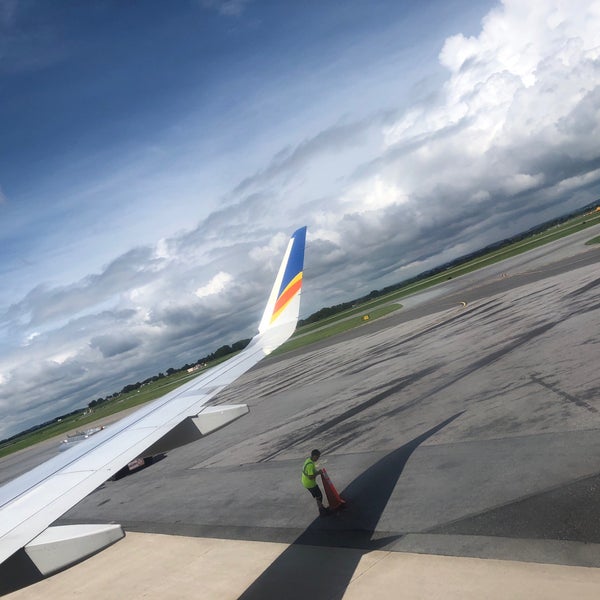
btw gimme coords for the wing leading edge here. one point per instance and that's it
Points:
(31, 502)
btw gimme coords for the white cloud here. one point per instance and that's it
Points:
(517, 91)
(215, 286)
(31, 336)
(163, 250)
(270, 253)
(373, 194)
(62, 357)
(519, 182)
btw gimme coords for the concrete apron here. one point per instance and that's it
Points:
(163, 567)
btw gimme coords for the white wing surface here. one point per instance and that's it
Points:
(31, 502)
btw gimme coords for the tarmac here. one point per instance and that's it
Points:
(462, 431)
(179, 568)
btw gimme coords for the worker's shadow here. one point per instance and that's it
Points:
(303, 571)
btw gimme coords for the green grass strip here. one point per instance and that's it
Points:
(341, 324)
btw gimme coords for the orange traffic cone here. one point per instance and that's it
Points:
(334, 499)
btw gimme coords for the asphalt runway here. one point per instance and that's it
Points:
(466, 424)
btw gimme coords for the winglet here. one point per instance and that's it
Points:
(284, 302)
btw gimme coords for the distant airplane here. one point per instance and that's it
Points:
(30, 503)
(77, 437)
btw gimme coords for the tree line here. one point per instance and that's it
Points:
(220, 352)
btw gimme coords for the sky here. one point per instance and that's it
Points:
(155, 157)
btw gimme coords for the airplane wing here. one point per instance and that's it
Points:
(31, 502)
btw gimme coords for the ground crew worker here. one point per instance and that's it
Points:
(309, 480)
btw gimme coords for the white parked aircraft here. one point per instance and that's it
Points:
(77, 437)
(30, 503)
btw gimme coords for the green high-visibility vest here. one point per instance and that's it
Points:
(309, 468)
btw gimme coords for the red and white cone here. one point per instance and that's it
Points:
(333, 497)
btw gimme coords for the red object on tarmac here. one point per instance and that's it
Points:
(333, 497)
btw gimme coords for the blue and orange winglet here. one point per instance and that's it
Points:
(292, 278)
(288, 283)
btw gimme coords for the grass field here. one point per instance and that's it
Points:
(113, 406)
(122, 402)
(308, 334)
(340, 323)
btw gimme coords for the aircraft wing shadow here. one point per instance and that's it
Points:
(303, 571)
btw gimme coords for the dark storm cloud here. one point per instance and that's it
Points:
(45, 302)
(113, 345)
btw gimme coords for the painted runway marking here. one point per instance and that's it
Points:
(563, 394)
